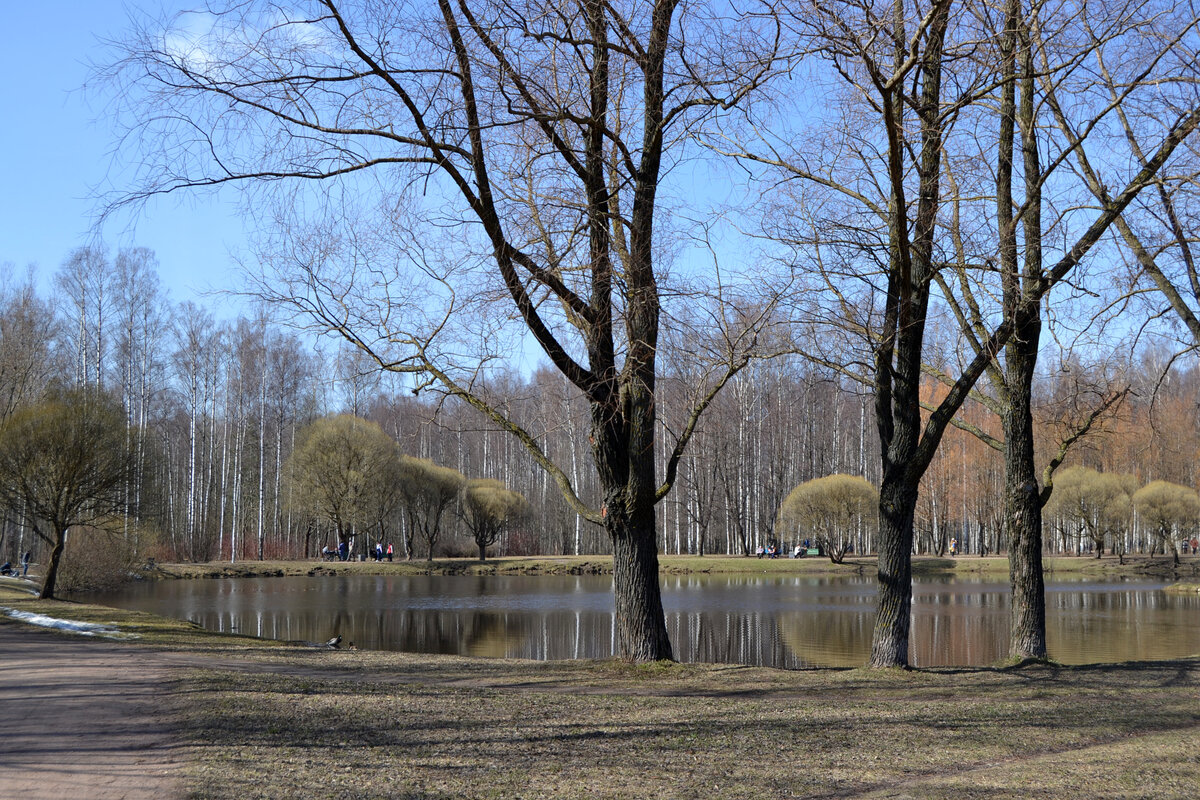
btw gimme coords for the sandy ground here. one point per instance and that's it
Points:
(84, 720)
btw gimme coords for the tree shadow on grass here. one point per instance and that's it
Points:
(866, 733)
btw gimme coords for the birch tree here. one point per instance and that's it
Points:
(85, 281)
(196, 362)
(139, 317)
(29, 339)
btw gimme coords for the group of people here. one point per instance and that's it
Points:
(770, 551)
(799, 551)
(342, 552)
(7, 567)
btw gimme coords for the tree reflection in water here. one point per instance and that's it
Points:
(778, 622)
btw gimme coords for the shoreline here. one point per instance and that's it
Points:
(1156, 567)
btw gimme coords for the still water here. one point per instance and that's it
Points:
(788, 622)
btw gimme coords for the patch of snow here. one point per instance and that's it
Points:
(71, 626)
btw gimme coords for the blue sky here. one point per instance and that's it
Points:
(55, 143)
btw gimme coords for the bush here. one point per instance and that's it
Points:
(457, 547)
(96, 559)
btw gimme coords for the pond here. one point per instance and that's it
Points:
(788, 622)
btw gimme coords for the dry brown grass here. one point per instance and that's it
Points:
(365, 725)
(268, 721)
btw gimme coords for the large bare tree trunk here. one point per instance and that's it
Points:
(1023, 502)
(897, 504)
(623, 449)
(641, 626)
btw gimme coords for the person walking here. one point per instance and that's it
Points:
(25, 563)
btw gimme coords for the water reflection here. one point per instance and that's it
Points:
(780, 622)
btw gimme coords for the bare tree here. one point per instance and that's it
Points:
(85, 279)
(195, 362)
(922, 79)
(538, 137)
(29, 333)
(139, 319)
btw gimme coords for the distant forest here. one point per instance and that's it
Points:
(221, 403)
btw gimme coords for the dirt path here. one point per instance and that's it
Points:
(82, 718)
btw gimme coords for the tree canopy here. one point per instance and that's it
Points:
(1171, 510)
(428, 491)
(490, 509)
(828, 511)
(1097, 504)
(345, 470)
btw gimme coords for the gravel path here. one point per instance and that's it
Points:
(83, 719)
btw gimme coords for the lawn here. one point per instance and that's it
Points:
(364, 725)
(269, 721)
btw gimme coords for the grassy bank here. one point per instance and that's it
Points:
(1108, 566)
(268, 721)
